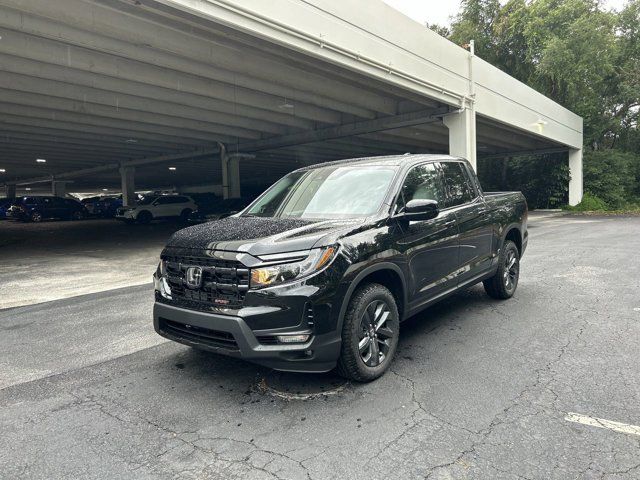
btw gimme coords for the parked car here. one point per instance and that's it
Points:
(5, 204)
(320, 270)
(218, 211)
(107, 207)
(36, 208)
(158, 207)
(90, 204)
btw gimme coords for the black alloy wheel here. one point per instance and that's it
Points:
(505, 281)
(369, 334)
(375, 335)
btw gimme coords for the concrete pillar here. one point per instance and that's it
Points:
(462, 135)
(575, 173)
(230, 174)
(58, 188)
(127, 178)
(10, 191)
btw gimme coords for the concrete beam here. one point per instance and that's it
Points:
(575, 172)
(346, 130)
(165, 119)
(85, 46)
(462, 135)
(323, 134)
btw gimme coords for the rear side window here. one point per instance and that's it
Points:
(459, 189)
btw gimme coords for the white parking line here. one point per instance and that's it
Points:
(602, 423)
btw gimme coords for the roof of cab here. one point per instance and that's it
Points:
(390, 160)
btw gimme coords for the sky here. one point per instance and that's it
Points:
(440, 11)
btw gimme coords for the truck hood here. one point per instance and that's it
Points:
(260, 236)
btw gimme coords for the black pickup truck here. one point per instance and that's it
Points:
(321, 269)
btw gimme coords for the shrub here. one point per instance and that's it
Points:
(590, 203)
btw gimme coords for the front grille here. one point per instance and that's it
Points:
(224, 283)
(206, 336)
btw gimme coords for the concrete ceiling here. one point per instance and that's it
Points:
(91, 83)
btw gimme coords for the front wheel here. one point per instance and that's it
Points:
(36, 217)
(505, 281)
(369, 334)
(77, 215)
(144, 217)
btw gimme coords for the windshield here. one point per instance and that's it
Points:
(326, 192)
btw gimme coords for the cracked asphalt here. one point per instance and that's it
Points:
(479, 388)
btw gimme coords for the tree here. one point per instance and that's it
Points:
(581, 55)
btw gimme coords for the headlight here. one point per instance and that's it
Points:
(316, 260)
(161, 271)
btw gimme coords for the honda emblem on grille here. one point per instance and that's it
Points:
(193, 277)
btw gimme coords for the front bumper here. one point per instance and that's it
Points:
(231, 335)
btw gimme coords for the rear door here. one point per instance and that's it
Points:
(163, 207)
(473, 218)
(430, 246)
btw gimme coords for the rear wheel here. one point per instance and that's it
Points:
(369, 334)
(144, 217)
(504, 283)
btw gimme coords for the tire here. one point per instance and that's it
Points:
(184, 215)
(77, 215)
(144, 217)
(505, 281)
(361, 338)
(36, 217)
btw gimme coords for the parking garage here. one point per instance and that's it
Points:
(223, 96)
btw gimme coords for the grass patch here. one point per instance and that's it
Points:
(592, 205)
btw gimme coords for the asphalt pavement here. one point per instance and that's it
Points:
(543, 386)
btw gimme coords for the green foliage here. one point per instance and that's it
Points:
(590, 203)
(542, 179)
(587, 59)
(613, 176)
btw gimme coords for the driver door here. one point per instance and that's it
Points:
(430, 246)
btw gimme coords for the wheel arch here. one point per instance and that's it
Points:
(144, 212)
(386, 274)
(513, 233)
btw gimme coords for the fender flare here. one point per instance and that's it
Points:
(355, 283)
(507, 229)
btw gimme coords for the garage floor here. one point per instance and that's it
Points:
(479, 388)
(47, 261)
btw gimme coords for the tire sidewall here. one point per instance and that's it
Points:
(144, 217)
(351, 330)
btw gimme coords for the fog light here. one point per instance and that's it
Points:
(292, 338)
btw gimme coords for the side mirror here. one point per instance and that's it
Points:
(420, 210)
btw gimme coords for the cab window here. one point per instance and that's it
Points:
(423, 182)
(456, 180)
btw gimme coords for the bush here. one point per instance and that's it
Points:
(543, 179)
(612, 176)
(590, 203)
